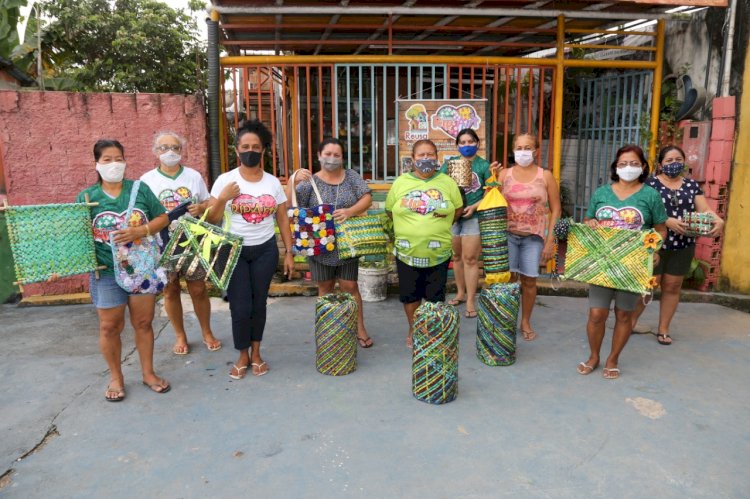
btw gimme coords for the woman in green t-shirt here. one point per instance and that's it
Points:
(466, 241)
(424, 204)
(112, 193)
(625, 204)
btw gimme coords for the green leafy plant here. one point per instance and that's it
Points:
(696, 276)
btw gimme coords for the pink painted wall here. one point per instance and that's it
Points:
(47, 138)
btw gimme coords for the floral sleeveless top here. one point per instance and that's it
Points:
(527, 203)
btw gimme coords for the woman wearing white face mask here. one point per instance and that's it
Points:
(350, 195)
(533, 208)
(112, 193)
(174, 184)
(625, 204)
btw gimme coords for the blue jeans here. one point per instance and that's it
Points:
(524, 254)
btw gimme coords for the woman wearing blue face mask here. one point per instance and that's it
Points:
(348, 192)
(466, 242)
(423, 204)
(680, 195)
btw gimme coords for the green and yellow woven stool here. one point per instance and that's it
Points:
(497, 317)
(434, 366)
(336, 334)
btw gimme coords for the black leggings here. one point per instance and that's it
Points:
(248, 291)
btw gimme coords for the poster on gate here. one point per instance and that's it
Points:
(438, 120)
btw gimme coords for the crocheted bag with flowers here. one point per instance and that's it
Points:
(313, 229)
(136, 263)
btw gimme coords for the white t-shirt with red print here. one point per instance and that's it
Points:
(186, 184)
(253, 211)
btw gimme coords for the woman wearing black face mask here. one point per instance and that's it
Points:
(350, 195)
(680, 195)
(424, 204)
(253, 198)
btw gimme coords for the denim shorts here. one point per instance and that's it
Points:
(105, 292)
(465, 227)
(524, 254)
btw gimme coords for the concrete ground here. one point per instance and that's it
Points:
(674, 425)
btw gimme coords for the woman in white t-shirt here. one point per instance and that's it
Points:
(174, 184)
(254, 199)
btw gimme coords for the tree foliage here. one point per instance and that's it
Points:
(10, 14)
(119, 46)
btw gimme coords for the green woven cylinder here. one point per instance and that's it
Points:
(497, 316)
(493, 230)
(435, 355)
(336, 334)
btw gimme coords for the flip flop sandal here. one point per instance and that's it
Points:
(258, 366)
(158, 387)
(456, 302)
(582, 369)
(528, 335)
(241, 372)
(662, 339)
(120, 394)
(470, 314)
(184, 350)
(365, 342)
(217, 346)
(611, 373)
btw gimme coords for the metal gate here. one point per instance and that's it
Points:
(613, 111)
(304, 103)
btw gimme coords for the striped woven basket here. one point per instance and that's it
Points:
(360, 236)
(497, 316)
(435, 356)
(336, 334)
(50, 239)
(459, 169)
(613, 258)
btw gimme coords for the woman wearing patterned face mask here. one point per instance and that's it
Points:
(423, 204)
(466, 242)
(112, 193)
(254, 200)
(174, 184)
(680, 195)
(533, 208)
(350, 195)
(625, 204)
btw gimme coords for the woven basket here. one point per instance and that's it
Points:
(459, 169)
(698, 224)
(200, 250)
(435, 355)
(497, 316)
(52, 239)
(613, 258)
(361, 236)
(336, 334)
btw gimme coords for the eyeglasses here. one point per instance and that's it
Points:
(623, 164)
(165, 148)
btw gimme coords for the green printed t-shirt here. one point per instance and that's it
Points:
(108, 215)
(641, 210)
(423, 213)
(480, 172)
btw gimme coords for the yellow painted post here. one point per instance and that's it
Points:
(559, 76)
(656, 93)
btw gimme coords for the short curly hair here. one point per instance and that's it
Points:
(257, 128)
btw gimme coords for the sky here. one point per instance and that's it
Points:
(177, 4)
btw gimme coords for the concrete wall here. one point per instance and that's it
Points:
(735, 261)
(46, 139)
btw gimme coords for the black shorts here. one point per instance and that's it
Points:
(675, 262)
(417, 283)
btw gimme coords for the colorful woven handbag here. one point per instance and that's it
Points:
(200, 250)
(136, 263)
(613, 258)
(359, 236)
(313, 229)
(698, 224)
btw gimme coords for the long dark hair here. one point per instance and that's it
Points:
(103, 144)
(641, 157)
